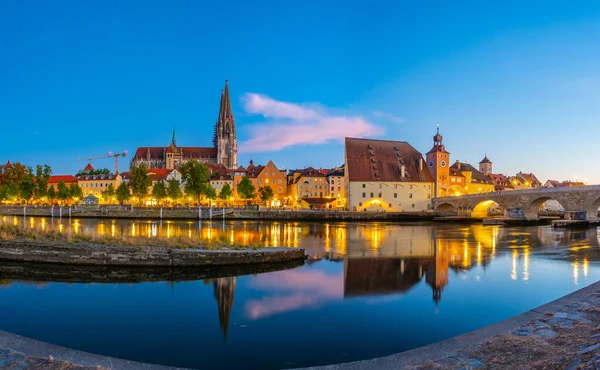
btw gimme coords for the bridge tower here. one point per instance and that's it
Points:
(485, 166)
(438, 162)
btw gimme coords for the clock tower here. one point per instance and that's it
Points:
(438, 163)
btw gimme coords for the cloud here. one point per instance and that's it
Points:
(389, 117)
(289, 124)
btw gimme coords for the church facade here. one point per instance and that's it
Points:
(224, 150)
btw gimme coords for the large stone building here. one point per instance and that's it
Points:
(224, 150)
(389, 176)
(469, 180)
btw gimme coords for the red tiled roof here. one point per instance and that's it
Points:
(67, 179)
(159, 174)
(96, 177)
(197, 152)
(89, 167)
(529, 177)
(156, 152)
(382, 160)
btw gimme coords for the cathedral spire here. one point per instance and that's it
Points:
(173, 139)
(226, 102)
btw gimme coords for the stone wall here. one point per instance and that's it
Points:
(91, 254)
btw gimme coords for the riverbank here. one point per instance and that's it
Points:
(563, 334)
(128, 212)
(63, 273)
(60, 252)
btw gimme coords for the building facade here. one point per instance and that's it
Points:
(336, 183)
(388, 176)
(438, 162)
(473, 181)
(224, 150)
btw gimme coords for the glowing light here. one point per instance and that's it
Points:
(513, 274)
(526, 265)
(585, 267)
(575, 272)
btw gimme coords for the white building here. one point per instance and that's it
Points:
(383, 175)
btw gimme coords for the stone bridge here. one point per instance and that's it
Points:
(575, 198)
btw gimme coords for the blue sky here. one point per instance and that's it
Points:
(518, 80)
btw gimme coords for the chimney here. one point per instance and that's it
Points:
(403, 171)
(421, 164)
(458, 164)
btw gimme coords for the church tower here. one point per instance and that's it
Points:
(438, 162)
(485, 166)
(224, 140)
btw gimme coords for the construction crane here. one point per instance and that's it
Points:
(109, 155)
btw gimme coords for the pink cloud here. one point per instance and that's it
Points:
(291, 124)
(294, 289)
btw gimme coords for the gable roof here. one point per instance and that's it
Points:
(64, 178)
(476, 176)
(382, 160)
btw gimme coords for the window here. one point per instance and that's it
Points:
(364, 186)
(380, 186)
(379, 195)
(410, 195)
(364, 195)
(371, 195)
(360, 204)
(390, 205)
(428, 196)
(395, 195)
(332, 188)
(413, 205)
(339, 188)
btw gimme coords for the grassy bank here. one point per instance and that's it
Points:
(11, 232)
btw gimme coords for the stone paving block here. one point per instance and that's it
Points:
(525, 331)
(590, 349)
(573, 364)
(472, 364)
(546, 333)
(560, 315)
(4, 351)
(11, 359)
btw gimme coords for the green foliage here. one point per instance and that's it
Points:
(140, 182)
(245, 189)
(27, 186)
(63, 193)
(159, 191)
(226, 192)
(109, 193)
(3, 193)
(75, 192)
(173, 190)
(195, 177)
(210, 193)
(51, 193)
(123, 193)
(42, 176)
(100, 171)
(266, 193)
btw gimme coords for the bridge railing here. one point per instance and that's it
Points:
(565, 189)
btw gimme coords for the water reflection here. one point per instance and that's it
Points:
(373, 280)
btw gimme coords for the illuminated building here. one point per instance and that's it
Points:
(388, 176)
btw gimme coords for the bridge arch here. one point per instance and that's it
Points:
(532, 209)
(446, 207)
(592, 211)
(482, 209)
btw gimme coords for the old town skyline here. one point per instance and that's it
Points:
(525, 93)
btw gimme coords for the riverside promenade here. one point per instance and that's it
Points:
(563, 334)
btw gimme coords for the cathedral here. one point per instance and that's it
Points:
(224, 150)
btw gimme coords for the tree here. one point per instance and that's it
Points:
(109, 193)
(226, 192)
(140, 182)
(245, 188)
(75, 192)
(210, 193)
(159, 191)
(195, 177)
(51, 194)
(3, 193)
(62, 192)
(42, 176)
(173, 190)
(266, 193)
(123, 193)
(27, 187)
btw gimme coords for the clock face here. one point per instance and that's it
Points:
(443, 163)
(430, 163)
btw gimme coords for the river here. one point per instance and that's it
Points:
(367, 290)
